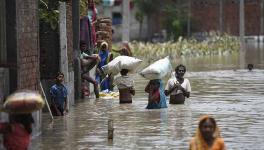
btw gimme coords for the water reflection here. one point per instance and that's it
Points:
(234, 98)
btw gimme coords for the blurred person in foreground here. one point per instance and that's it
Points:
(17, 132)
(207, 136)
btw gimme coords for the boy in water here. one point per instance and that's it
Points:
(125, 86)
(59, 94)
(87, 63)
(250, 67)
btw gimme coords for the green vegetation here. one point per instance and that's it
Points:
(49, 13)
(213, 45)
(174, 15)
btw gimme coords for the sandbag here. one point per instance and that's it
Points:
(25, 101)
(157, 70)
(121, 62)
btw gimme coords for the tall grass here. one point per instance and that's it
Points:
(214, 44)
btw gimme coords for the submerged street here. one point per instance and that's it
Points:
(233, 97)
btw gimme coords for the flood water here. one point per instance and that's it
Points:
(221, 87)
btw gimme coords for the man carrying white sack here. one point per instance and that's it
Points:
(178, 87)
(125, 85)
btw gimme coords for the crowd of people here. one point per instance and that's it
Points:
(18, 130)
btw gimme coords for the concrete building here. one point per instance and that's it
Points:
(19, 51)
(26, 58)
(114, 11)
(208, 15)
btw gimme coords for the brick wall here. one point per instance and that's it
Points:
(27, 44)
(252, 17)
(69, 34)
(231, 17)
(205, 16)
(27, 28)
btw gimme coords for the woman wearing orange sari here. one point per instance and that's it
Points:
(207, 136)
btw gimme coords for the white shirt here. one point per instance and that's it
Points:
(172, 81)
(123, 82)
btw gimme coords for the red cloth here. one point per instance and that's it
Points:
(157, 94)
(16, 139)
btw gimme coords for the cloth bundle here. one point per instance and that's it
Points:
(121, 62)
(157, 70)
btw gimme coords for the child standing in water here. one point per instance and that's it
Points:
(125, 86)
(59, 94)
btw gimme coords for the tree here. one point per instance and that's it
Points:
(140, 17)
(174, 15)
(148, 8)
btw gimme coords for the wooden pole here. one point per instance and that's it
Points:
(110, 129)
(45, 98)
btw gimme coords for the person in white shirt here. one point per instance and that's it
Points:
(178, 87)
(125, 85)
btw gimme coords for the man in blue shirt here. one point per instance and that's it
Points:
(59, 96)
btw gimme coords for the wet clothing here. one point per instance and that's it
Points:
(87, 33)
(124, 84)
(83, 55)
(104, 55)
(172, 81)
(177, 96)
(198, 142)
(16, 139)
(217, 145)
(59, 93)
(160, 102)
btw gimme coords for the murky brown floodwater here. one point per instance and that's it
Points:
(220, 87)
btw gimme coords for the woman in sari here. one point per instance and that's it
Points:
(105, 57)
(207, 136)
(156, 98)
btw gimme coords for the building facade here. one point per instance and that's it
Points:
(208, 15)
(19, 59)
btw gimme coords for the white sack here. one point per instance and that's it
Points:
(158, 69)
(121, 62)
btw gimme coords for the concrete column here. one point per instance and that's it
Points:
(63, 45)
(262, 17)
(76, 23)
(221, 3)
(242, 24)
(189, 18)
(125, 20)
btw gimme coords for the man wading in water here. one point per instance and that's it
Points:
(178, 87)
(125, 85)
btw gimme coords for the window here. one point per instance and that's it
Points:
(117, 18)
